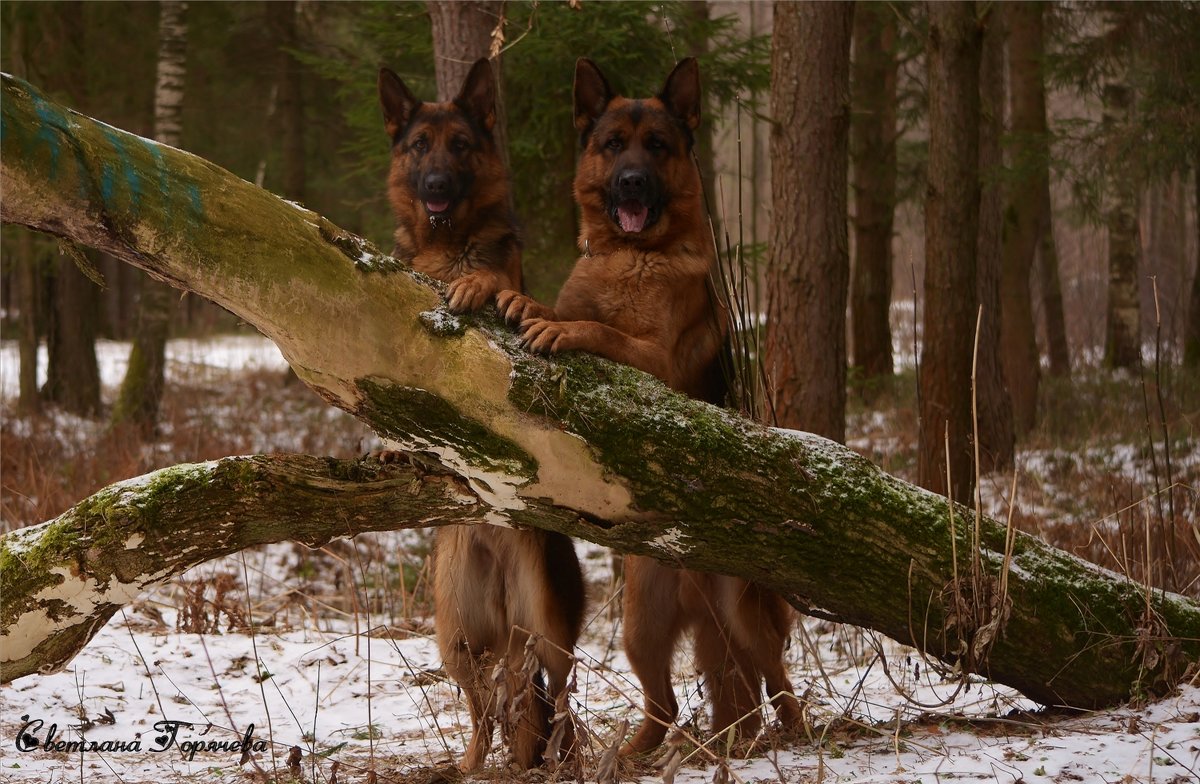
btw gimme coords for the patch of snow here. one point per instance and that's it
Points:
(186, 358)
(21, 540)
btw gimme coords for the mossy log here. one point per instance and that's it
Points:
(574, 444)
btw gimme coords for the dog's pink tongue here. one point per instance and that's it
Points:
(632, 216)
(435, 207)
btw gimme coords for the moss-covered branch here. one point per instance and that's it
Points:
(587, 447)
(62, 580)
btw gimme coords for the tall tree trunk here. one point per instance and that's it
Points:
(1052, 301)
(697, 45)
(72, 373)
(873, 152)
(289, 113)
(1122, 341)
(141, 391)
(29, 401)
(1191, 335)
(27, 278)
(462, 33)
(995, 407)
(1021, 231)
(281, 17)
(809, 267)
(951, 246)
(1051, 286)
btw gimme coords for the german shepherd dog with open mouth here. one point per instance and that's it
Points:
(449, 189)
(492, 586)
(641, 295)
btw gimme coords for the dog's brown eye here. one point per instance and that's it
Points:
(460, 144)
(614, 143)
(655, 143)
(420, 144)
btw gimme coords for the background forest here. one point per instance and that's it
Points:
(1080, 240)
(958, 237)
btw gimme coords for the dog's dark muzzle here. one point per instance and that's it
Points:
(437, 191)
(635, 199)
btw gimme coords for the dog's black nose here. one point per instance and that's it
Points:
(437, 184)
(631, 183)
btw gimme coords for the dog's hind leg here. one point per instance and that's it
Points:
(761, 623)
(653, 624)
(529, 711)
(551, 652)
(464, 604)
(731, 679)
(559, 620)
(472, 674)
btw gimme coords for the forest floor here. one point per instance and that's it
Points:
(341, 662)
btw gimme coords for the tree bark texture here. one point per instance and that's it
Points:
(809, 265)
(1191, 339)
(1029, 44)
(281, 17)
(1122, 335)
(1022, 228)
(697, 46)
(873, 152)
(142, 388)
(462, 33)
(72, 373)
(1052, 302)
(951, 247)
(577, 444)
(995, 416)
(28, 400)
(27, 277)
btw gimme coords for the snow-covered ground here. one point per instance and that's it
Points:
(363, 687)
(376, 699)
(186, 358)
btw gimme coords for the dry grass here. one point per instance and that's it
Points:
(1093, 475)
(51, 461)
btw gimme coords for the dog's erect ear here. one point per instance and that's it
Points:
(592, 94)
(478, 94)
(398, 103)
(681, 93)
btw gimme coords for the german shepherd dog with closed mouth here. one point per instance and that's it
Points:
(491, 585)
(641, 295)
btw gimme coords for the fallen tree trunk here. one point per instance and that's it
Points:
(579, 445)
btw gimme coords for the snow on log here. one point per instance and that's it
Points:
(576, 444)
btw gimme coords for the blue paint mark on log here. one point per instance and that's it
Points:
(197, 202)
(107, 184)
(128, 171)
(51, 127)
(161, 169)
(50, 120)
